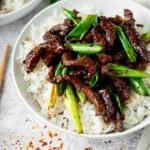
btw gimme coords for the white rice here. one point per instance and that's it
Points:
(36, 84)
(12, 5)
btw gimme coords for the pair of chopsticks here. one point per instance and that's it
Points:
(3, 64)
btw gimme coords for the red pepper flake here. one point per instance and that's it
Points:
(50, 142)
(59, 139)
(56, 148)
(88, 148)
(37, 148)
(44, 143)
(50, 134)
(30, 144)
(55, 134)
(17, 141)
(41, 140)
(61, 145)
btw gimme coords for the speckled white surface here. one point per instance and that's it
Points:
(18, 123)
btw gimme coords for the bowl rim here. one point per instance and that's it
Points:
(89, 136)
(19, 9)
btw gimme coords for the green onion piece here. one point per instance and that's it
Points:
(94, 80)
(122, 108)
(138, 86)
(120, 105)
(123, 71)
(71, 72)
(72, 107)
(81, 96)
(95, 22)
(59, 69)
(53, 96)
(146, 37)
(126, 44)
(61, 86)
(64, 71)
(83, 27)
(85, 48)
(70, 15)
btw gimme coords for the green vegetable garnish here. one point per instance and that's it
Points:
(126, 44)
(81, 96)
(85, 48)
(72, 107)
(83, 27)
(70, 15)
(94, 80)
(139, 86)
(123, 71)
(120, 105)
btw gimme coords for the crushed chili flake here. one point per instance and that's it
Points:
(61, 145)
(55, 148)
(59, 139)
(30, 144)
(55, 134)
(41, 140)
(37, 148)
(88, 148)
(50, 142)
(44, 143)
(50, 134)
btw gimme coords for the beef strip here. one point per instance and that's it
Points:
(92, 96)
(81, 63)
(96, 36)
(116, 20)
(89, 37)
(104, 70)
(49, 58)
(109, 105)
(121, 87)
(46, 51)
(60, 29)
(129, 17)
(119, 56)
(119, 122)
(48, 37)
(134, 38)
(53, 43)
(110, 31)
(32, 59)
(54, 47)
(51, 72)
(141, 65)
(104, 58)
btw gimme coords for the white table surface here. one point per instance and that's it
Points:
(18, 123)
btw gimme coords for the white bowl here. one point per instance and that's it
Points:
(109, 8)
(18, 13)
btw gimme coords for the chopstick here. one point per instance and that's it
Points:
(3, 64)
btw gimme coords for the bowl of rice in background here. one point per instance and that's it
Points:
(34, 88)
(11, 10)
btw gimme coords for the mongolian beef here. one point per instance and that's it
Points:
(94, 58)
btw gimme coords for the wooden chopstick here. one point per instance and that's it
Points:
(3, 64)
